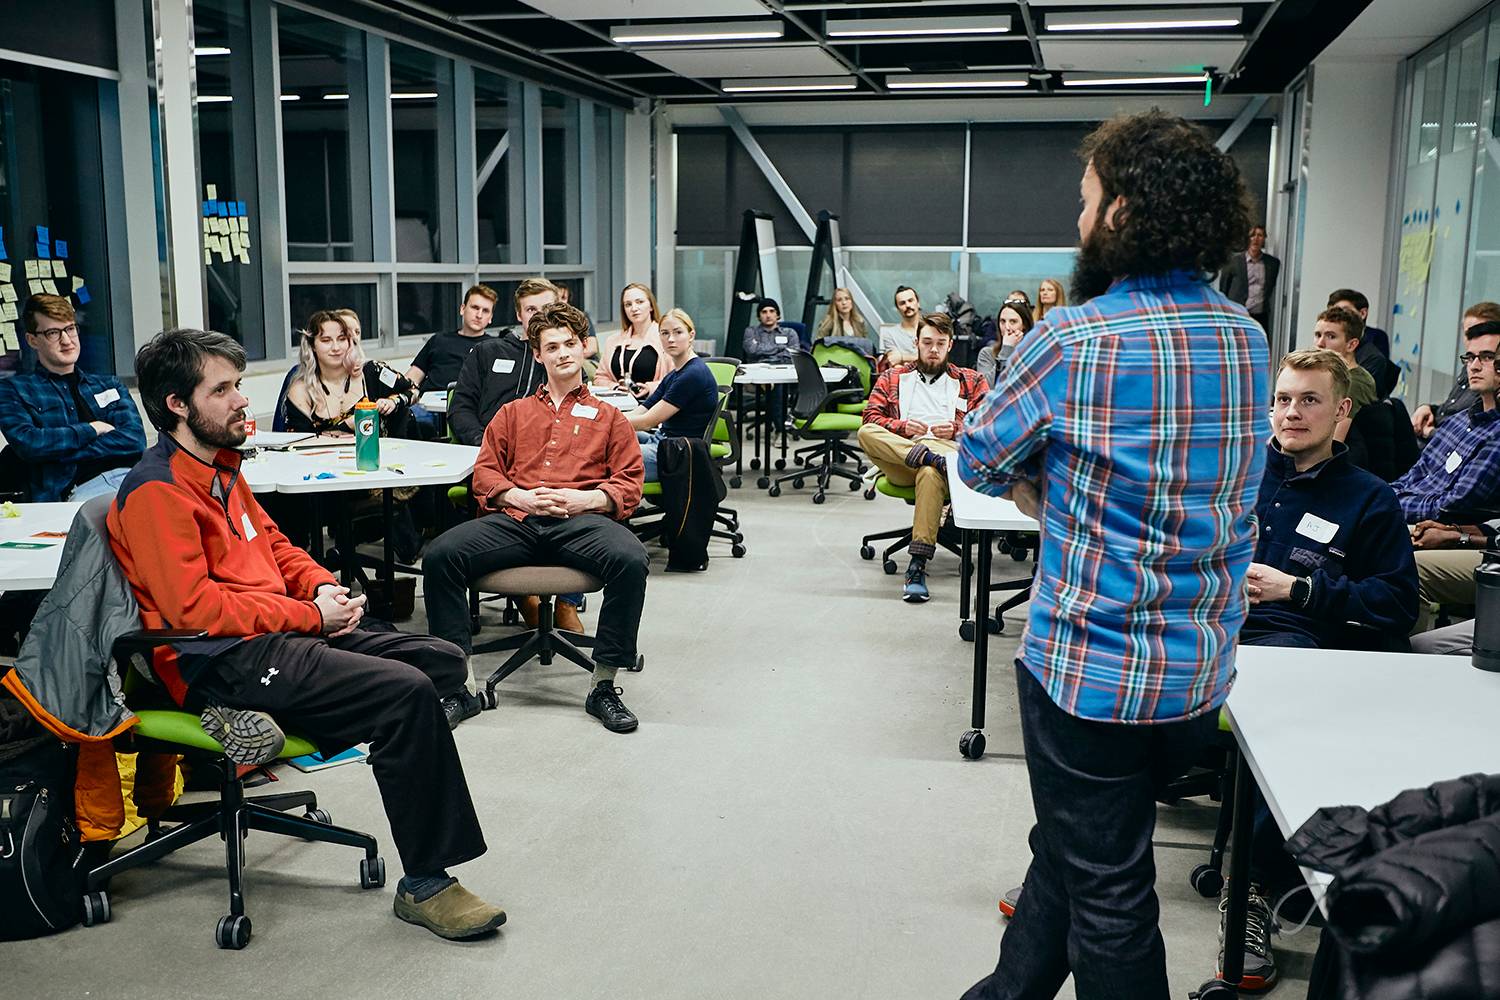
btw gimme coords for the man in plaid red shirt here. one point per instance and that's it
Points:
(911, 425)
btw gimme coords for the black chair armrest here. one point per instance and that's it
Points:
(839, 395)
(146, 639)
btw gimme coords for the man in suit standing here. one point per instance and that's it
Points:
(1250, 279)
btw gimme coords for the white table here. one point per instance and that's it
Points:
(435, 401)
(622, 401)
(761, 376)
(980, 516)
(275, 439)
(1375, 724)
(768, 374)
(33, 569)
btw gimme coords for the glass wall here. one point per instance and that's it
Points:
(306, 299)
(560, 183)
(426, 307)
(497, 117)
(422, 155)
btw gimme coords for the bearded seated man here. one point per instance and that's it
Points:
(911, 422)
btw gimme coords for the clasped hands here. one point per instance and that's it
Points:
(549, 502)
(1266, 583)
(341, 613)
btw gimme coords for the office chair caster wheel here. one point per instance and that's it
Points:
(737, 550)
(890, 567)
(861, 468)
(819, 497)
(996, 625)
(870, 493)
(95, 908)
(763, 482)
(867, 552)
(232, 932)
(775, 490)
(800, 459)
(797, 483)
(966, 630)
(1020, 554)
(971, 745)
(318, 816)
(735, 482)
(488, 699)
(755, 463)
(1215, 989)
(738, 538)
(780, 464)
(1207, 881)
(371, 872)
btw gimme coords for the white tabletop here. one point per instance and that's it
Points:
(763, 374)
(33, 569)
(622, 401)
(1329, 727)
(981, 512)
(435, 401)
(402, 463)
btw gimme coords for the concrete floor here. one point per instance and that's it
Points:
(792, 820)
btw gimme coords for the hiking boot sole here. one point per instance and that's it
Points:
(248, 737)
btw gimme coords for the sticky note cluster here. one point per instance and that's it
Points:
(44, 274)
(226, 228)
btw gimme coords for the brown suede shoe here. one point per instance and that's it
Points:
(531, 609)
(566, 617)
(454, 913)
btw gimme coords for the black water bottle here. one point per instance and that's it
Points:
(1487, 614)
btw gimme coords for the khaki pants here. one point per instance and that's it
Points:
(888, 451)
(1444, 576)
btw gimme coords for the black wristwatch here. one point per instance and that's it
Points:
(1302, 591)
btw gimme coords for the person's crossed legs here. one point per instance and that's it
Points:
(918, 464)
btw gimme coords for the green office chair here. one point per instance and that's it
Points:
(848, 357)
(902, 536)
(815, 416)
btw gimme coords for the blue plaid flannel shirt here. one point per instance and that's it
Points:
(40, 421)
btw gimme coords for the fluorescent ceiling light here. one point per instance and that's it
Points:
(335, 97)
(1145, 20)
(414, 96)
(1129, 81)
(719, 31)
(291, 97)
(210, 50)
(788, 84)
(214, 99)
(912, 27)
(956, 81)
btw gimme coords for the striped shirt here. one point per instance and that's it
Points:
(1144, 414)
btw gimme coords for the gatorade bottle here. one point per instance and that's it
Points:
(366, 436)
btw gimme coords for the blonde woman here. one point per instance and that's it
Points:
(333, 375)
(843, 318)
(634, 358)
(685, 401)
(1049, 295)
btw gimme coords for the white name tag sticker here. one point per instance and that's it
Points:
(1317, 529)
(107, 396)
(503, 366)
(388, 376)
(579, 410)
(250, 531)
(781, 340)
(1454, 461)
(960, 404)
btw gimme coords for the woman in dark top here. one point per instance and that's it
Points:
(333, 375)
(634, 358)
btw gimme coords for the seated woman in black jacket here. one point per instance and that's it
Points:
(333, 375)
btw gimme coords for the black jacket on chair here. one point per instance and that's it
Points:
(691, 490)
(1414, 909)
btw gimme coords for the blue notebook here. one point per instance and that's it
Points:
(316, 761)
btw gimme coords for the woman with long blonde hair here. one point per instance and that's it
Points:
(843, 318)
(1049, 295)
(634, 358)
(333, 375)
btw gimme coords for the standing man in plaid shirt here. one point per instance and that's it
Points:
(1133, 426)
(911, 426)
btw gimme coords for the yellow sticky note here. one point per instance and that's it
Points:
(213, 192)
(4, 273)
(208, 256)
(31, 269)
(243, 255)
(8, 311)
(59, 269)
(77, 282)
(35, 287)
(8, 293)
(8, 337)
(51, 286)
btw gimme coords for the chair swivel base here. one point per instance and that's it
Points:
(902, 538)
(543, 643)
(232, 818)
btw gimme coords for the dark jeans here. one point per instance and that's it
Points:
(1259, 635)
(376, 687)
(1089, 906)
(592, 543)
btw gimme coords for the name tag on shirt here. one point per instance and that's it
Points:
(388, 376)
(1317, 529)
(579, 410)
(781, 340)
(960, 404)
(503, 366)
(107, 396)
(249, 528)
(1454, 460)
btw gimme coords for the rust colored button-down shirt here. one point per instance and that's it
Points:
(585, 444)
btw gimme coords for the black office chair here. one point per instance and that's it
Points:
(815, 415)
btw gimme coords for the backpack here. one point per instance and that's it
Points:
(39, 888)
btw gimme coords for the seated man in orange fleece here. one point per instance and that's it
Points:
(200, 553)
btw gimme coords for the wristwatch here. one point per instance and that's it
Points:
(1301, 591)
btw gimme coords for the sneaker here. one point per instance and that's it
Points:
(454, 913)
(458, 707)
(248, 737)
(1009, 900)
(605, 705)
(915, 591)
(1260, 924)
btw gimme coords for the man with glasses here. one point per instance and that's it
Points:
(77, 433)
(1457, 479)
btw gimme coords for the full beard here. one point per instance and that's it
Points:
(1091, 275)
(936, 368)
(216, 436)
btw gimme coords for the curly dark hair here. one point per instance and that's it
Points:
(557, 316)
(1185, 207)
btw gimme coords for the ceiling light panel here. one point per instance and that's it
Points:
(789, 85)
(957, 81)
(763, 30)
(917, 27)
(1155, 56)
(1174, 19)
(1130, 79)
(722, 61)
(624, 10)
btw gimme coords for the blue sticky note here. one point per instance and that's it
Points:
(43, 251)
(82, 295)
(2, 244)
(208, 208)
(60, 247)
(239, 208)
(221, 209)
(42, 235)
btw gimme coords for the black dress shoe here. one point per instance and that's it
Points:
(458, 707)
(605, 705)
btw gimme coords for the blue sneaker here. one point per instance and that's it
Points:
(915, 591)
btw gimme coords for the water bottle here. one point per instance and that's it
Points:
(1487, 615)
(366, 436)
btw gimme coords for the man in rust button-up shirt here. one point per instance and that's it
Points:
(557, 472)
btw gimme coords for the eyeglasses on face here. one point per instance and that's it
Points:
(70, 331)
(1483, 357)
